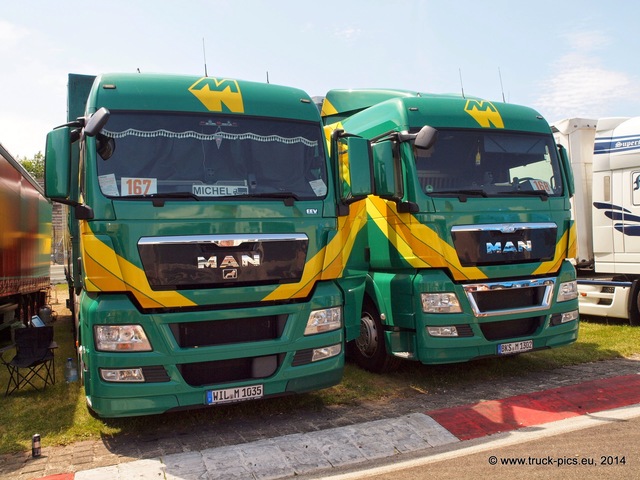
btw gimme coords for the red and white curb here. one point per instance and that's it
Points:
(307, 453)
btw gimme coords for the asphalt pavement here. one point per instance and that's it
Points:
(319, 443)
(316, 446)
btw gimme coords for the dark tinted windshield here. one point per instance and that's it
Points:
(489, 163)
(210, 156)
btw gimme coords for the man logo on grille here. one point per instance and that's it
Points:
(230, 261)
(229, 274)
(509, 247)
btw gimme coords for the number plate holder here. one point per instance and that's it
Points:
(234, 394)
(515, 347)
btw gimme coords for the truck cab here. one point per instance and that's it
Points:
(469, 228)
(216, 249)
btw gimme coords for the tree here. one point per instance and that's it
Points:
(35, 165)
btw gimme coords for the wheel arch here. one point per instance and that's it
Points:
(375, 295)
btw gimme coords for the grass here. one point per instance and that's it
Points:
(60, 416)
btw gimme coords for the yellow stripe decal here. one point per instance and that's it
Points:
(330, 261)
(340, 247)
(418, 244)
(562, 247)
(104, 270)
(328, 108)
(421, 247)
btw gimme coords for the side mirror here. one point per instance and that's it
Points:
(426, 138)
(360, 166)
(351, 157)
(96, 122)
(385, 172)
(57, 164)
(568, 171)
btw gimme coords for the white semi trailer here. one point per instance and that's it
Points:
(605, 155)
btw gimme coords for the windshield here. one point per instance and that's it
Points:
(489, 163)
(176, 155)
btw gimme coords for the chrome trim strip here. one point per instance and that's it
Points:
(548, 283)
(504, 227)
(231, 240)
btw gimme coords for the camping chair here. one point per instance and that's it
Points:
(33, 363)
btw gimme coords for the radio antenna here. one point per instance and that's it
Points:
(461, 85)
(501, 86)
(267, 76)
(204, 55)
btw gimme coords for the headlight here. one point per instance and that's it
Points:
(324, 320)
(121, 338)
(440, 303)
(568, 291)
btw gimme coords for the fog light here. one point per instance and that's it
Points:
(448, 331)
(326, 352)
(122, 375)
(566, 317)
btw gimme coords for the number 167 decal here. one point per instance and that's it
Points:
(138, 186)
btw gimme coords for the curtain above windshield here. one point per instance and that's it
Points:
(215, 156)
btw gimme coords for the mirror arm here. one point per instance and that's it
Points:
(83, 212)
(407, 207)
(71, 203)
(392, 134)
(406, 136)
(77, 123)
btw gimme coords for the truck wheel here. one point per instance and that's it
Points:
(369, 350)
(634, 310)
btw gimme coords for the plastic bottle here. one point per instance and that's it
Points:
(36, 449)
(70, 371)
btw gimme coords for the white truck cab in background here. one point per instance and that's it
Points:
(605, 156)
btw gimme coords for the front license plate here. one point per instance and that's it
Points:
(237, 394)
(515, 347)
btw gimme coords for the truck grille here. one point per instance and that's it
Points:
(511, 328)
(224, 332)
(501, 244)
(231, 370)
(501, 298)
(155, 373)
(220, 261)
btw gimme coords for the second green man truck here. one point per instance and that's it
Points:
(469, 229)
(218, 252)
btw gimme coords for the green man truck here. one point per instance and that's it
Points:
(217, 250)
(469, 228)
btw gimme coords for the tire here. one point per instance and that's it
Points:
(634, 309)
(369, 350)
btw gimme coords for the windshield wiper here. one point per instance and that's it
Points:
(461, 194)
(543, 194)
(158, 199)
(287, 197)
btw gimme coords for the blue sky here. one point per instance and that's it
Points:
(564, 58)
